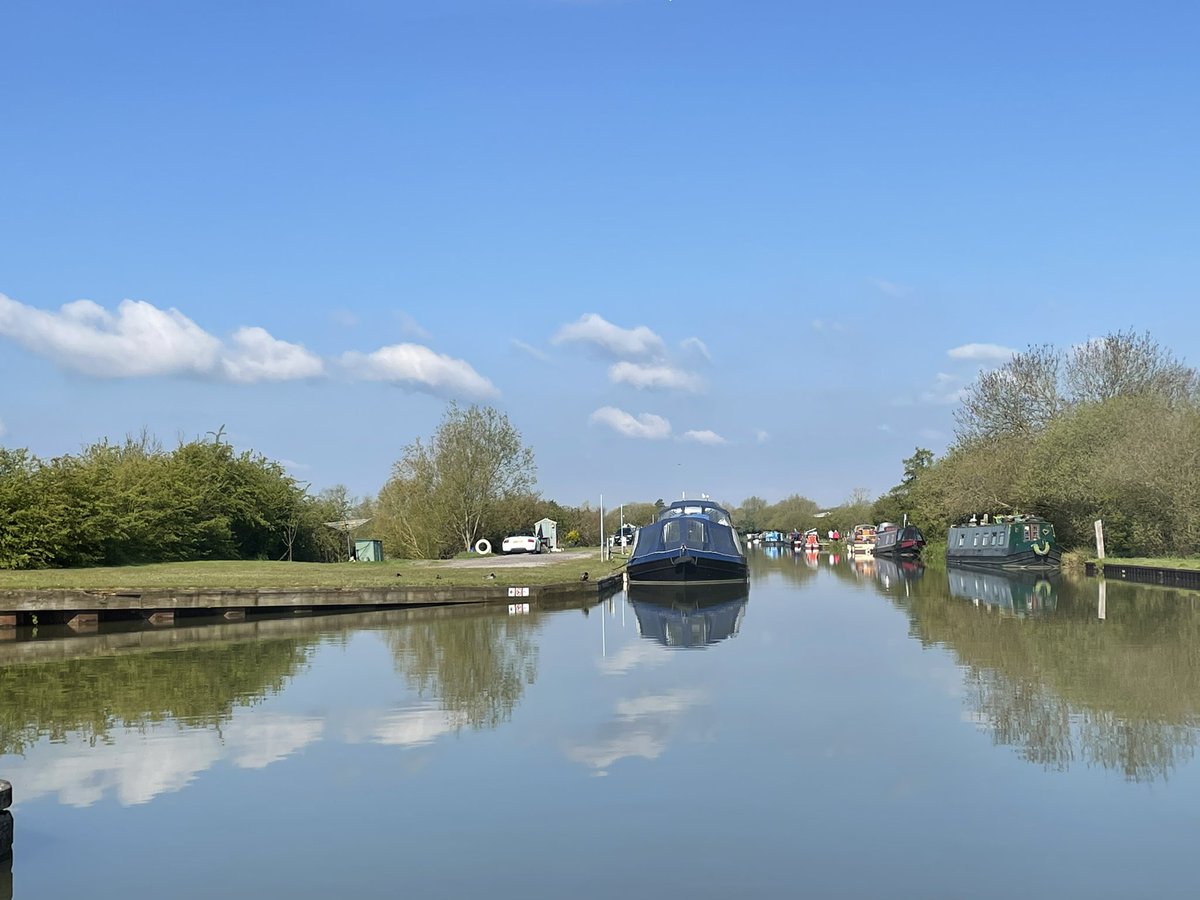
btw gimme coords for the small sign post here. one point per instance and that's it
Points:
(1100, 539)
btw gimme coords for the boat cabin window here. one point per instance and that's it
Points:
(1031, 532)
(683, 531)
(962, 538)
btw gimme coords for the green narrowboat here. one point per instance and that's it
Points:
(1007, 542)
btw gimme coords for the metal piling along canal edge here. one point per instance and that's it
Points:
(6, 840)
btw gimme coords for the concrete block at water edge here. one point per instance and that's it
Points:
(5, 794)
(6, 835)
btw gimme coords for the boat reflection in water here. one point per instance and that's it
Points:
(898, 570)
(1021, 593)
(689, 616)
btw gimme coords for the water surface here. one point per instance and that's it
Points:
(842, 729)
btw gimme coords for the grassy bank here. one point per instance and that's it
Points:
(257, 574)
(1159, 562)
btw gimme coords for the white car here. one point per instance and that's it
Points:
(519, 543)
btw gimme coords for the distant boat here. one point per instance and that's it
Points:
(1008, 542)
(862, 539)
(692, 542)
(898, 540)
(683, 615)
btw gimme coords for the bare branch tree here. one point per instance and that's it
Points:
(1020, 397)
(1126, 364)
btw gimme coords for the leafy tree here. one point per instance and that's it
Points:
(445, 493)
(749, 514)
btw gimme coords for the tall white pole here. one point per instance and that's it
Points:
(603, 539)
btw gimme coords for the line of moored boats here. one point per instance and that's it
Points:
(695, 542)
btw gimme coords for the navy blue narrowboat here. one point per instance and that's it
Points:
(693, 542)
(685, 615)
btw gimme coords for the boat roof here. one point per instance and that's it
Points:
(693, 508)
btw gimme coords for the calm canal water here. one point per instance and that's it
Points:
(849, 730)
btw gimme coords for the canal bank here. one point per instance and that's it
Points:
(85, 608)
(1145, 574)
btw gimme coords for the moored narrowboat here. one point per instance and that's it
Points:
(692, 542)
(898, 540)
(1009, 542)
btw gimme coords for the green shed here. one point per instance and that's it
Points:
(368, 551)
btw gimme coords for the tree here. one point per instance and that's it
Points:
(1019, 398)
(1126, 364)
(749, 515)
(442, 491)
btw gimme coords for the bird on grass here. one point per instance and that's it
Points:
(584, 577)
(490, 576)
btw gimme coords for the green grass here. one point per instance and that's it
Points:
(1160, 562)
(246, 575)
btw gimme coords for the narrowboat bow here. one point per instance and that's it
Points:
(693, 542)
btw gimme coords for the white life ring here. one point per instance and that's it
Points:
(483, 547)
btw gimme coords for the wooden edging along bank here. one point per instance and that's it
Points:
(60, 606)
(1188, 578)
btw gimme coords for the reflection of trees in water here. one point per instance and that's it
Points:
(476, 665)
(1065, 687)
(90, 696)
(782, 561)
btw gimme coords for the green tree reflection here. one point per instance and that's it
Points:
(476, 665)
(90, 696)
(1065, 687)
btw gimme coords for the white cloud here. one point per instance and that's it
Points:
(2, 428)
(530, 350)
(140, 340)
(654, 377)
(822, 325)
(259, 740)
(634, 654)
(946, 390)
(884, 427)
(670, 703)
(762, 436)
(636, 343)
(138, 763)
(256, 356)
(891, 288)
(415, 726)
(697, 347)
(409, 327)
(711, 438)
(645, 425)
(642, 729)
(416, 367)
(982, 353)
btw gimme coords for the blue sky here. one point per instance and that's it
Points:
(686, 245)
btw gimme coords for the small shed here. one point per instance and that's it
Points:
(547, 530)
(369, 550)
